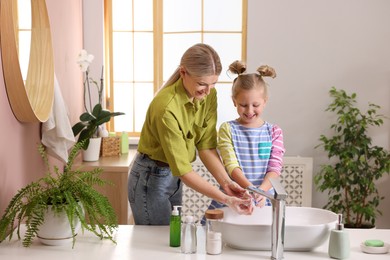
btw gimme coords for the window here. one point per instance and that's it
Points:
(145, 40)
(23, 17)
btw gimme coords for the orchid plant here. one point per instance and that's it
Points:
(93, 117)
(84, 60)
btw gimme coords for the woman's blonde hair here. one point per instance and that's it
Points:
(247, 81)
(199, 60)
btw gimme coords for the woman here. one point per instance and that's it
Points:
(180, 120)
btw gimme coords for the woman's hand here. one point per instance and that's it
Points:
(241, 200)
(241, 206)
(233, 189)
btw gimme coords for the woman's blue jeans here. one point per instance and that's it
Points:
(152, 192)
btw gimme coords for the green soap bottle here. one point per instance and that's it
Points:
(175, 227)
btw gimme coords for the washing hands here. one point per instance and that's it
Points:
(258, 200)
(239, 205)
(239, 200)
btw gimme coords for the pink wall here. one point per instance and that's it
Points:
(20, 162)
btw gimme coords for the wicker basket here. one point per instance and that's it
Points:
(111, 146)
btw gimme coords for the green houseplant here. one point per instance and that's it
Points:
(88, 127)
(93, 117)
(355, 163)
(71, 191)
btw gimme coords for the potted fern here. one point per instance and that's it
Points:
(70, 192)
(355, 164)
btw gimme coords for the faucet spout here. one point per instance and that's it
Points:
(278, 201)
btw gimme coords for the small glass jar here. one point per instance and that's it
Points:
(214, 244)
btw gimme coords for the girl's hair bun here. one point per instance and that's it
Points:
(266, 71)
(237, 67)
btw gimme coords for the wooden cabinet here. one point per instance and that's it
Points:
(115, 169)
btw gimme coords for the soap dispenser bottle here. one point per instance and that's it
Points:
(175, 227)
(339, 241)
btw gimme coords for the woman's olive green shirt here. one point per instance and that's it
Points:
(175, 126)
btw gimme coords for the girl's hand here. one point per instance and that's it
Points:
(259, 200)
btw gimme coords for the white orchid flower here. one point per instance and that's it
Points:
(83, 66)
(84, 60)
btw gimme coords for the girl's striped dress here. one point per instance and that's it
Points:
(255, 150)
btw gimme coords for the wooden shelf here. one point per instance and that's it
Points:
(115, 169)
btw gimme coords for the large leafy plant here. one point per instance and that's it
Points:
(355, 164)
(71, 191)
(93, 117)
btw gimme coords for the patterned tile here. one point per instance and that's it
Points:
(195, 204)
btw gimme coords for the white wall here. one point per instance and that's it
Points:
(314, 45)
(94, 32)
(93, 37)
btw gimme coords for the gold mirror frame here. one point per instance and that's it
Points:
(33, 102)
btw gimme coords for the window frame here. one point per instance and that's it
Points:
(158, 35)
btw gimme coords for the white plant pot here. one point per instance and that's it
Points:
(56, 230)
(93, 151)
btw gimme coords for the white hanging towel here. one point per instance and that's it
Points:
(57, 134)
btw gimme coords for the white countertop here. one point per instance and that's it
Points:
(152, 242)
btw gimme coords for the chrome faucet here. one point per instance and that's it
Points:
(278, 201)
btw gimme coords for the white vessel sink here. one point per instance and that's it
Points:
(305, 228)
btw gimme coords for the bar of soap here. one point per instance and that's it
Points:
(374, 243)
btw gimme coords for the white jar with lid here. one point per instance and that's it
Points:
(213, 231)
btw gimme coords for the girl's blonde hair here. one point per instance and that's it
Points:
(199, 60)
(247, 81)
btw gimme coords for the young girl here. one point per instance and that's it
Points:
(251, 149)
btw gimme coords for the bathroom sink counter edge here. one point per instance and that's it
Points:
(152, 242)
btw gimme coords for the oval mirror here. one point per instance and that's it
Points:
(32, 101)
